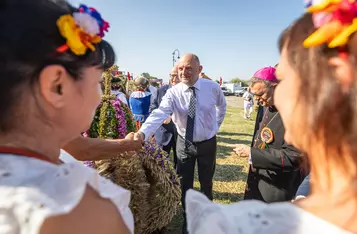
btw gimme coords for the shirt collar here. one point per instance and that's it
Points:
(197, 85)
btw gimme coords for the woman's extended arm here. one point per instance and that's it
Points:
(90, 149)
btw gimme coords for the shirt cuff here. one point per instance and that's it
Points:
(146, 135)
(299, 197)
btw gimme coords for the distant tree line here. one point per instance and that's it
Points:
(245, 83)
(149, 77)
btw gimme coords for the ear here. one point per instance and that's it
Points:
(195, 203)
(200, 69)
(51, 81)
(344, 72)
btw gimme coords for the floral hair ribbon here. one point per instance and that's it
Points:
(335, 21)
(82, 30)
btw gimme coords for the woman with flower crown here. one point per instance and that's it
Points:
(317, 102)
(51, 65)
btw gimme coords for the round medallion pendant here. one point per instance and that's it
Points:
(267, 135)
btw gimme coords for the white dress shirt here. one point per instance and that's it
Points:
(210, 110)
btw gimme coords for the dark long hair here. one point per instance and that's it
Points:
(28, 41)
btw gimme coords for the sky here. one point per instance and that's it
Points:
(232, 38)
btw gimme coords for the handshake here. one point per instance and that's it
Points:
(138, 137)
(133, 142)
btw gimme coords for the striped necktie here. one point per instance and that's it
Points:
(191, 118)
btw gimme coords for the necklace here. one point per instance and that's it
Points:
(265, 128)
(24, 153)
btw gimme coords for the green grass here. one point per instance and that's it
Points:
(231, 170)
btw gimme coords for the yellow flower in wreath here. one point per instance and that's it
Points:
(78, 41)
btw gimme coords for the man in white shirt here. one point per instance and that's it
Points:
(198, 107)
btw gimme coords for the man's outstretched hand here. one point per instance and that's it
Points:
(138, 136)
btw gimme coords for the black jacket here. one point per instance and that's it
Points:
(170, 128)
(275, 174)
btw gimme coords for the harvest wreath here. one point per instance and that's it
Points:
(148, 174)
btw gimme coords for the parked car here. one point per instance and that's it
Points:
(241, 91)
(232, 87)
(226, 92)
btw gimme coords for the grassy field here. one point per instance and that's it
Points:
(231, 171)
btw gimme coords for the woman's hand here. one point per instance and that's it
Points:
(129, 142)
(130, 136)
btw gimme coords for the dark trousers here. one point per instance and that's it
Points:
(205, 154)
(172, 146)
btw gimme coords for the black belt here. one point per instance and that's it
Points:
(197, 142)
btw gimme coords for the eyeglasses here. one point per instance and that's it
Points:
(261, 93)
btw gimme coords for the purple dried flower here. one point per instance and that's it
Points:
(164, 162)
(89, 164)
(120, 115)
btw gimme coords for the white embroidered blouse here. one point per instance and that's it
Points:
(31, 190)
(252, 217)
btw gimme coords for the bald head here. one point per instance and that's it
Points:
(174, 70)
(174, 79)
(190, 57)
(189, 68)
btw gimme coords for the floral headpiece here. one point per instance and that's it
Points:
(82, 29)
(335, 21)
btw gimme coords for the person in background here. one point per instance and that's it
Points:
(274, 171)
(166, 135)
(248, 104)
(204, 76)
(140, 100)
(153, 90)
(198, 107)
(304, 189)
(119, 94)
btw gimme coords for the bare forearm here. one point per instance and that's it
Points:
(88, 149)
